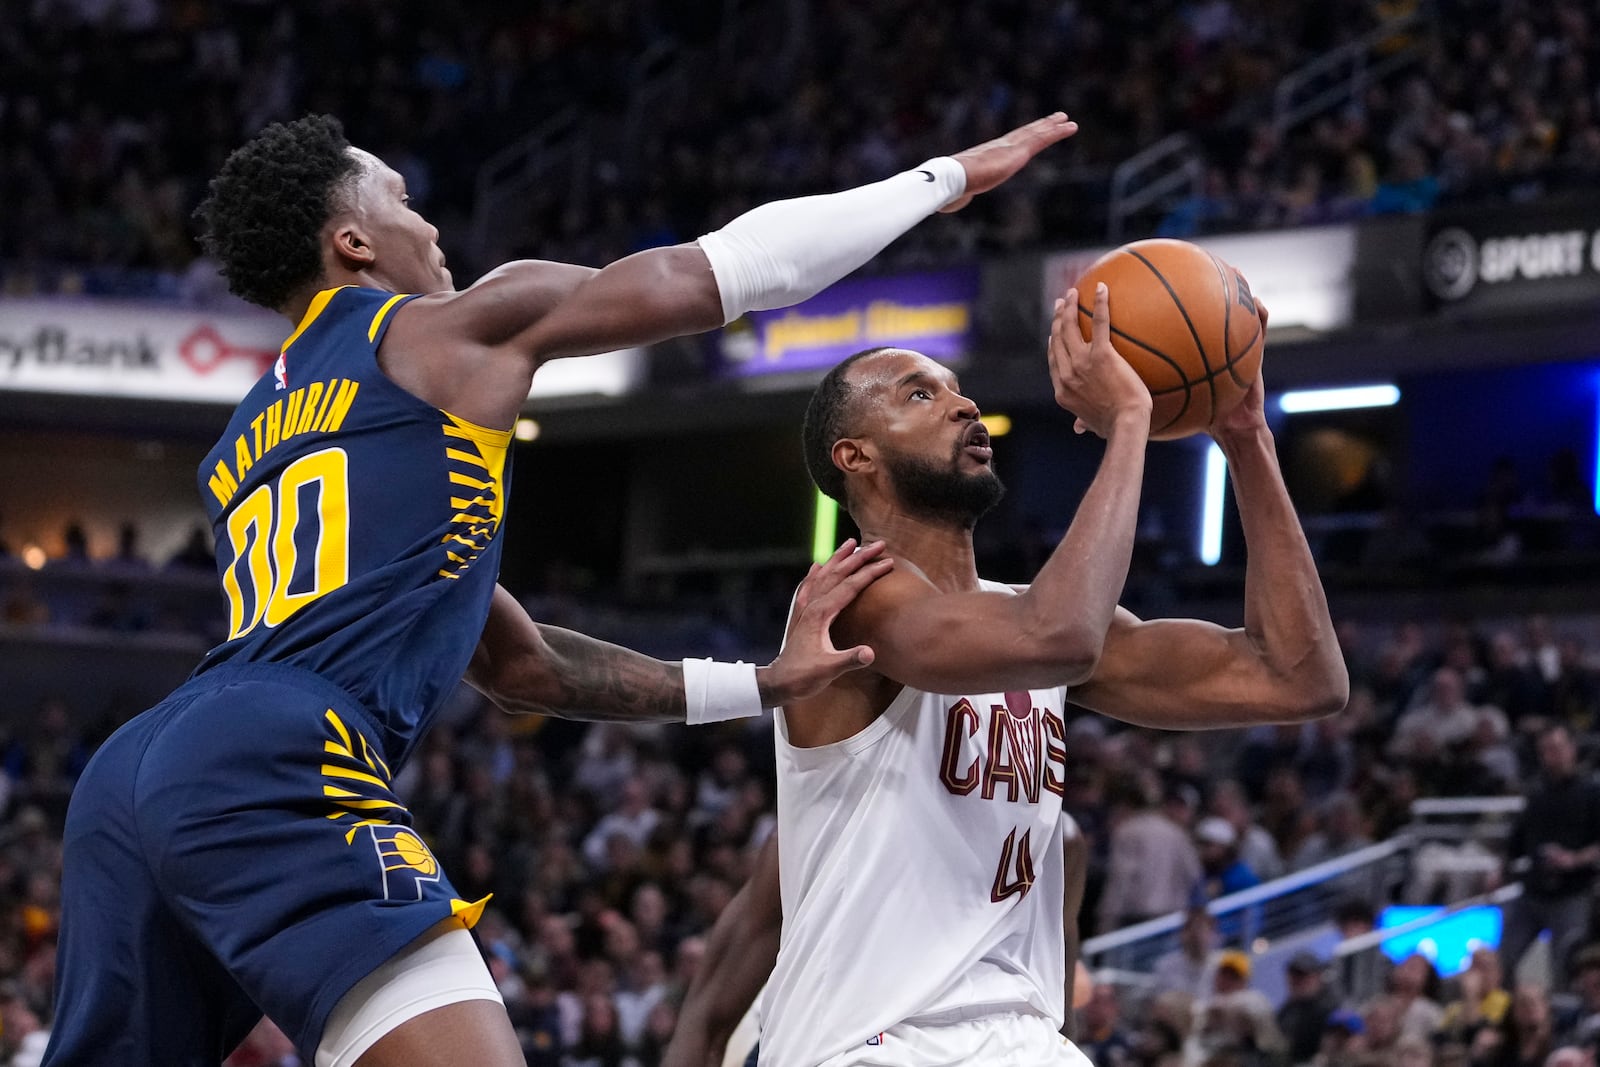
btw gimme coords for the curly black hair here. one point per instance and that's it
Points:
(265, 209)
(827, 416)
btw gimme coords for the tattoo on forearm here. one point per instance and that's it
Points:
(603, 682)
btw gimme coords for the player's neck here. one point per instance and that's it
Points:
(297, 306)
(941, 550)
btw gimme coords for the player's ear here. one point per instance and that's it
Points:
(351, 245)
(853, 455)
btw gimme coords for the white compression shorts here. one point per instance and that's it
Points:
(440, 967)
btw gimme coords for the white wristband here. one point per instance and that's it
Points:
(717, 692)
(789, 250)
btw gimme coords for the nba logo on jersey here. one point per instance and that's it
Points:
(405, 861)
(280, 370)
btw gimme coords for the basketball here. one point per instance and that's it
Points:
(1186, 322)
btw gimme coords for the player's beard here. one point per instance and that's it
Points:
(943, 490)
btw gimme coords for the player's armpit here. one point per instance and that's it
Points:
(1185, 674)
(740, 954)
(971, 642)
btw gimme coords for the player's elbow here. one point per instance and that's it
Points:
(1075, 650)
(1316, 693)
(1331, 693)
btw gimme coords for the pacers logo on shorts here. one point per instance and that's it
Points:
(406, 862)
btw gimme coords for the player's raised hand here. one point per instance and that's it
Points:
(989, 164)
(1249, 415)
(1091, 379)
(809, 660)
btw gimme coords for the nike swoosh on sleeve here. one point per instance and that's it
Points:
(927, 175)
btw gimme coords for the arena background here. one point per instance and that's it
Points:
(1410, 186)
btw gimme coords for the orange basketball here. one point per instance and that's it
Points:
(1187, 323)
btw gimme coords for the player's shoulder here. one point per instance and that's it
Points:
(903, 586)
(500, 305)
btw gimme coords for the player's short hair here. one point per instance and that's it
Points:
(827, 419)
(263, 215)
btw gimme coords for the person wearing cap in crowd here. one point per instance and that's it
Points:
(1235, 1017)
(1188, 967)
(1217, 843)
(1343, 1040)
(1304, 1015)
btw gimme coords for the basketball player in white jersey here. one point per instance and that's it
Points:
(919, 802)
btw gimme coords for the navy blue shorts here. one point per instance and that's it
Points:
(236, 850)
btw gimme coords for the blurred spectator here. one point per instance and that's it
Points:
(1584, 1028)
(196, 552)
(1222, 871)
(1303, 1018)
(1257, 849)
(1188, 968)
(633, 822)
(1343, 1040)
(1340, 829)
(1444, 719)
(1528, 1030)
(1234, 1017)
(1558, 837)
(1153, 864)
(1100, 1034)
(1413, 991)
(1482, 1001)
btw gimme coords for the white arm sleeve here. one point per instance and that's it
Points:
(781, 253)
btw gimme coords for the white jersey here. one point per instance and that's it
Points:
(921, 871)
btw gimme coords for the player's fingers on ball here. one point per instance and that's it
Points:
(1070, 332)
(1102, 315)
(1261, 313)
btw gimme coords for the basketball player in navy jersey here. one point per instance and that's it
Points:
(878, 773)
(238, 849)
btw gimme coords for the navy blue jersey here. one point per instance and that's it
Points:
(357, 525)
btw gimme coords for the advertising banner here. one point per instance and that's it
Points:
(931, 313)
(1512, 258)
(1303, 276)
(157, 352)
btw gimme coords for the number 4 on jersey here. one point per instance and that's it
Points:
(1014, 875)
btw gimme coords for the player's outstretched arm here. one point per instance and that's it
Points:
(1052, 633)
(740, 954)
(524, 666)
(776, 255)
(1284, 665)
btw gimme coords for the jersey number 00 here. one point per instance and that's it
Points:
(290, 541)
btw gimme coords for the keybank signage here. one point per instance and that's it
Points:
(151, 352)
(931, 313)
(106, 348)
(1506, 258)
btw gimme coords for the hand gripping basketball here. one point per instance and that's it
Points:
(1091, 379)
(809, 661)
